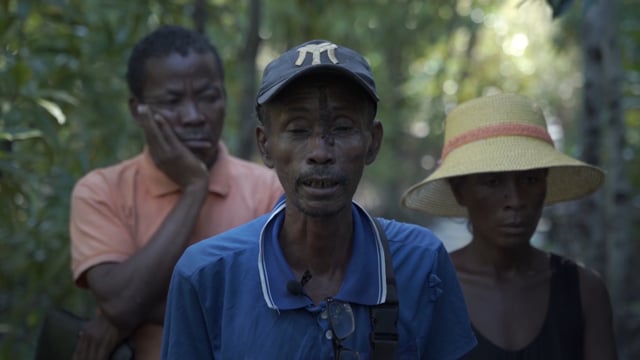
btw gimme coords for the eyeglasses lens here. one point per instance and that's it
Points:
(343, 325)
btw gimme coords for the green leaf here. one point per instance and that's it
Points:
(60, 95)
(53, 109)
(22, 135)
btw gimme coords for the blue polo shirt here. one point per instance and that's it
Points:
(228, 297)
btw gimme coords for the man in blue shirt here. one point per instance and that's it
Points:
(318, 277)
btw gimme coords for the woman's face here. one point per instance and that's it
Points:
(503, 207)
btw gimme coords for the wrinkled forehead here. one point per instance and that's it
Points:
(330, 85)
(176, 70)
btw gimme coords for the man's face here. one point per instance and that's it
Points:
(319, 136)
(188, 92)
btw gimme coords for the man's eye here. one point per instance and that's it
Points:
(342, 124)
(168, 102)
(209, 97)
(297, 130)
(342, 128)
(297, 126)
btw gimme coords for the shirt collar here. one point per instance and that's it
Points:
(365, 279)
(160, 184)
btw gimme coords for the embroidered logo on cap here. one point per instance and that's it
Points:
(316, 50)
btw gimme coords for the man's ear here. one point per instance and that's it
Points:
(377, 133)
(134, 109)
(263, 145)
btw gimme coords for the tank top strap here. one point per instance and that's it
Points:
(565, 319)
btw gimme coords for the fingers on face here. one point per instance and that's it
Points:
(159, 132)
(143, 109)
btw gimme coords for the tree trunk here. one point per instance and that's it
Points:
(607, 215)
(199, 15)
(590, 223)
(247, 139)
(618, 187)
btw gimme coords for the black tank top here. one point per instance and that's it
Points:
(561, 336)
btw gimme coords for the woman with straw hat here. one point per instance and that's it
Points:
(499, 168)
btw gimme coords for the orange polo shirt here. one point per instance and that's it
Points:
(116, 210)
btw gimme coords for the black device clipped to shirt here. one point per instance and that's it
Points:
(297, 288)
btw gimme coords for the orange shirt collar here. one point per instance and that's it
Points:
(159, 184)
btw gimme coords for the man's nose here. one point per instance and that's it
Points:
(321, 146)
(190, 114)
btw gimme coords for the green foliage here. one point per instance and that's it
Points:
(559, 7)
(62, 112)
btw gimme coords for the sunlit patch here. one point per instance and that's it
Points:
(516, 45)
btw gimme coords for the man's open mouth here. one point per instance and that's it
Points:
(320, 183)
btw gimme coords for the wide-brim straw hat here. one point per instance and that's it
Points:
(496, 133)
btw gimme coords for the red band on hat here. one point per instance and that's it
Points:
(490, 131)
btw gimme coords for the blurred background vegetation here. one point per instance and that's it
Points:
(63, 112)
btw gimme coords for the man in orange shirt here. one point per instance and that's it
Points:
(130, 222)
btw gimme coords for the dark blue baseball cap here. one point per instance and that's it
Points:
(315, 56)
